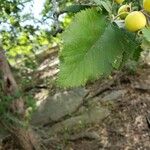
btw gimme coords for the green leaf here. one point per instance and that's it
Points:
(146, 34)
(91, 48)
(137, 53)
(104, 3)
(76, 8)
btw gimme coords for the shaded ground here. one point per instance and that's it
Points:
(112, 114)
(127, 125)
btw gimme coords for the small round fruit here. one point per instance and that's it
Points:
(135, 21)
(119, 1)
(146, 5)
(123, 11)
(123, 15)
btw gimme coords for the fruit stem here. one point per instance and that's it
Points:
(147, 16)
(117, 16)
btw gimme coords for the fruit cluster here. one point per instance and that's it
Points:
(134, 20)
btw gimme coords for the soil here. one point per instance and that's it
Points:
(126, 128)
(128, 125)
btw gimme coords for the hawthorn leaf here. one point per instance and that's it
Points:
(93, 47)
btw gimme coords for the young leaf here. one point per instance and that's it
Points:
(92, 48)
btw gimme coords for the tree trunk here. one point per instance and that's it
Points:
(25, 137)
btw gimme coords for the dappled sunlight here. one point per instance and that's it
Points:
(50, 73)
(41, 96)
(49, 63)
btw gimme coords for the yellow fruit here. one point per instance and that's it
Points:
(123, 11)
(146, 5)
(135, 21)
(119, 1)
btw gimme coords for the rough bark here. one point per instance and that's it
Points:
(25, 137)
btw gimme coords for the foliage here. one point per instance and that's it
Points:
(93, 47)
(104, 3)
(94, 44)
(21, 35)
(5, 109)
(5, 101)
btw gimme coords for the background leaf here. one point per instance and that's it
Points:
(75, 8)
(104, 3)
(146, 34)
